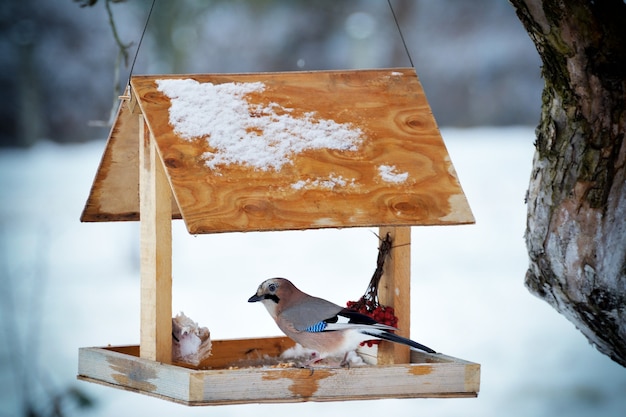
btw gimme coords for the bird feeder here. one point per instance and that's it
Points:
(337, 149)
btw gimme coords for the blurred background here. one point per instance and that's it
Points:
(58, 61)
(67, 285)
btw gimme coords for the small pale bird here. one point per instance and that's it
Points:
(322, 326)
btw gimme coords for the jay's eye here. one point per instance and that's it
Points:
(271, 287)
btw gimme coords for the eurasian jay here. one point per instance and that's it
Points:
(317, 324)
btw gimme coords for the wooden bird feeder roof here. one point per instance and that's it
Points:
(396, 171)
(274, 151)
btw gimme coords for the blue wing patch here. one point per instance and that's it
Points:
(317, 327)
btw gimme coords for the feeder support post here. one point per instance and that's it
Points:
(394, 291)
(156, 251)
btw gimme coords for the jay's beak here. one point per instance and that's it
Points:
(255, 298)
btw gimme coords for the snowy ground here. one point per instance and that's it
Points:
(66, 285)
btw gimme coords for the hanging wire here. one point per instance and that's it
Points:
(395, 19)
(132, 67)
(393, 13)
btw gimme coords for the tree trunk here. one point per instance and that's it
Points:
(576, 227)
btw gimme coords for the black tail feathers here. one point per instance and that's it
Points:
(402, 340)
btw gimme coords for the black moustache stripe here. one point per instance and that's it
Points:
(272, 297)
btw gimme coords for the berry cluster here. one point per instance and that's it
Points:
(381, 314)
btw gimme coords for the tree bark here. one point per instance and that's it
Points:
(576, 225)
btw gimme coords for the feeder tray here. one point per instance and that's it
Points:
(396, 174)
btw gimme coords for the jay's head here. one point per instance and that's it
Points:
(273, 293)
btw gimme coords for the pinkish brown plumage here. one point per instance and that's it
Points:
(317, 324)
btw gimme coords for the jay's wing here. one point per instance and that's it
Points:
(351, 319)
(355, 317)
(309, 312)
(316, 315)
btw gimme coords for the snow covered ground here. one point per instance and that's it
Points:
(67, 285)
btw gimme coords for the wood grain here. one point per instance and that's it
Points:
(394, 291)
(156, 252)
(389, 106)
(114, 194)
(427, 376)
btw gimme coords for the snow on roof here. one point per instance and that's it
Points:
(329, 183)
(239, 132)
(390, 174)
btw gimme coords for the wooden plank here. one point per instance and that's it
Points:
(244, 352)
(432, 376)
(133, 373)
(133, 104)
(114, 194)
(156, 252)
(398, 130)
(395, 291)
(335, 384)
(231, 353)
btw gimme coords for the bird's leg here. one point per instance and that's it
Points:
(312, 360)
(345, 362)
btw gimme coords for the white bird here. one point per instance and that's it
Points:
(322, 326)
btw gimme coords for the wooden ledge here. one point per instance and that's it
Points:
(427, 376)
